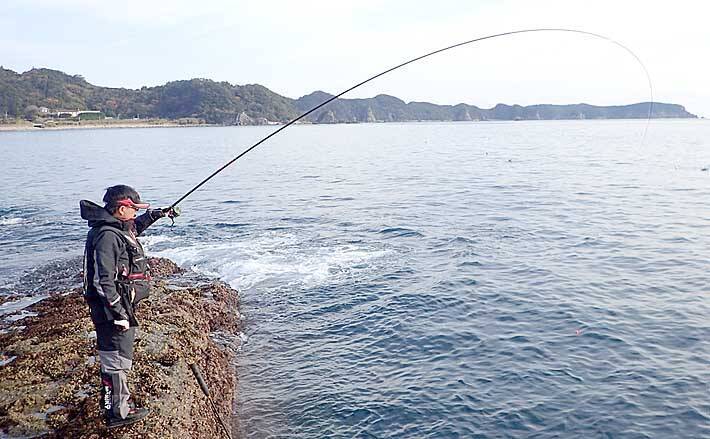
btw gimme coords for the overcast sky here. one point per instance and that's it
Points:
(294, 48)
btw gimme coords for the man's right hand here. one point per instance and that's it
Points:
(123, 325)
(171, 212)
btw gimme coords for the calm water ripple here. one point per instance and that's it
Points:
(526, 279)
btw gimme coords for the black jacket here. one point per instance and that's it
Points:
(107, 263)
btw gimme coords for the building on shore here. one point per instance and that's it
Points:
(78, 114)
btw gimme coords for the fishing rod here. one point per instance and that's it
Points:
(475, 40)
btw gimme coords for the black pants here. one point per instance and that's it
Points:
(116, 357)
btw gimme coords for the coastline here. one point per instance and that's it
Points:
(49, 371)
(96, 125)
(150, 123)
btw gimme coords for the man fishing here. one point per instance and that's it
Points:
(116, 278)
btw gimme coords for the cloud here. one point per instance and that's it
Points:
(297, 47)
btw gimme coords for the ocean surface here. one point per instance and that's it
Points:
(422, 280)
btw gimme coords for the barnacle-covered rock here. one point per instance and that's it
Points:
(49, 374)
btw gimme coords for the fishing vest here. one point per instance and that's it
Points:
(133, 280)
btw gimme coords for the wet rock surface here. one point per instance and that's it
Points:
(56, 276)
(49, 372)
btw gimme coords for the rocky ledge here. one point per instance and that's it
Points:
(49, 373)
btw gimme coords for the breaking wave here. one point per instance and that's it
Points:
(272, 260)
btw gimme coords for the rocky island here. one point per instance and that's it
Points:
(49, 371)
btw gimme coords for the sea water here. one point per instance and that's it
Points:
(477, 279)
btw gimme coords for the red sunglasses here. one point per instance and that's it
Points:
(129, 203)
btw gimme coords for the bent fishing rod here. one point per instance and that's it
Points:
(413, 60)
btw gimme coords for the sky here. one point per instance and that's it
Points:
(295, 48)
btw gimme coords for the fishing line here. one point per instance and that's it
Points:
(475, 40)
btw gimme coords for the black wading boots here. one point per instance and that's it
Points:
(134, 415)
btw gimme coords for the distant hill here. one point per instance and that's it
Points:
(390, 109)
(22, 95)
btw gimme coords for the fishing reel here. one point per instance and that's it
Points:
(171, 212)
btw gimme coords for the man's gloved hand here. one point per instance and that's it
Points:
(123, 325)
(156, 214)
(171, 212)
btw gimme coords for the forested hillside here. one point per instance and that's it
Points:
(26, 95)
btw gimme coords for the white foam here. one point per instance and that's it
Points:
(5, 221)
(150, 240)
(273, 260)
